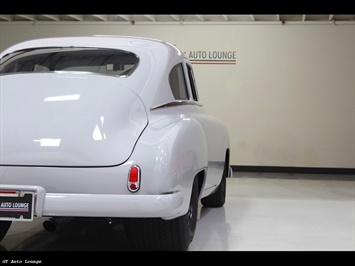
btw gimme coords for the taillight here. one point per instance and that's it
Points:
(134, 178)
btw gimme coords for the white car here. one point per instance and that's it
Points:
(108, 127)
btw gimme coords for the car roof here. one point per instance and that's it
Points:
(102, 41)
(157, 58)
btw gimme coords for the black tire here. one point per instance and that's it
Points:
(218, 198)
(4, 227)
(156, 234)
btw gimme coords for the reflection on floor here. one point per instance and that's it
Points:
(263, 212)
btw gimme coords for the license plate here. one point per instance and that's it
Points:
(16, 205)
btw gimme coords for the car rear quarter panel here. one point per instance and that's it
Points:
(174, 148)
(217, 142)
(170, 151)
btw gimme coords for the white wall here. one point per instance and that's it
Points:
(288, 101)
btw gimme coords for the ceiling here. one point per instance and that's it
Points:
(182, 19)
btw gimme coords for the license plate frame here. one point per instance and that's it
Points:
(16, 205)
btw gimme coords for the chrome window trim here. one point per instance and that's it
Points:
(175, 103)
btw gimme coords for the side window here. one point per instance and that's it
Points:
(177, 83)
(192, 83)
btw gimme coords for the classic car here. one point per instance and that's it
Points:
(108, 127)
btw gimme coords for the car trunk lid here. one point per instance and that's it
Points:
(68, 119)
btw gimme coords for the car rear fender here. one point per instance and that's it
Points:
(170, 154)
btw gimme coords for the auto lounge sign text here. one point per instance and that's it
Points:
(212, 57)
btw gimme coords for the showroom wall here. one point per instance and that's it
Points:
(285, 92)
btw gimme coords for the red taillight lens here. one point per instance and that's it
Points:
(134, 178)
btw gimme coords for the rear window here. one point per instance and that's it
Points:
(79, 59)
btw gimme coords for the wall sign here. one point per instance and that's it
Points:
(212, 57)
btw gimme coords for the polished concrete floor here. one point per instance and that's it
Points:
(263, 212)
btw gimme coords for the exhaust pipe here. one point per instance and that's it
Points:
(52, 224)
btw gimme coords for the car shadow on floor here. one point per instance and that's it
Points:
(80, 234)
(96, 234)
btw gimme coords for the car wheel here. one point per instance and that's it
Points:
(217, 198)
(164, 235)
(4, 227)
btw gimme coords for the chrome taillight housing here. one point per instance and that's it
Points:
(134, 178)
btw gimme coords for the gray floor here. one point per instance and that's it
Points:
(263, 212)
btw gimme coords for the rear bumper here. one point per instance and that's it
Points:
(166, 206)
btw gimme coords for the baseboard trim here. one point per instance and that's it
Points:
(293, 170)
